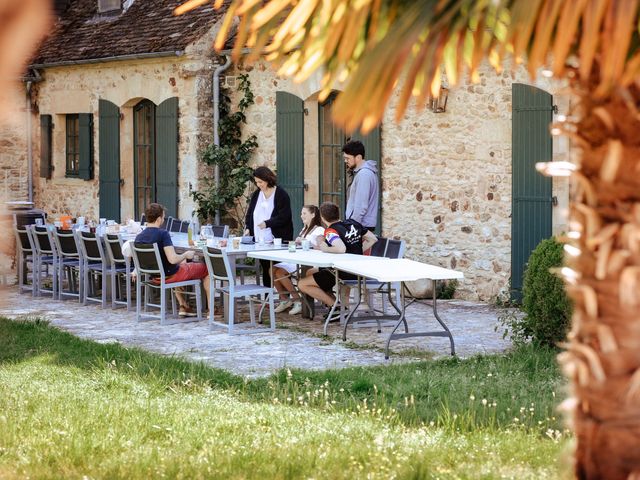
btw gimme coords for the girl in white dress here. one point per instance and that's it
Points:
(311, 230)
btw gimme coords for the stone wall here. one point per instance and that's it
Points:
(446, 177)
(77, 89)
(13, 159)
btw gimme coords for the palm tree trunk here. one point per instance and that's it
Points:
(602, 357)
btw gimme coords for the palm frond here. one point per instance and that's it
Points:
(372, 47)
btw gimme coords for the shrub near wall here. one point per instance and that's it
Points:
(545, 304)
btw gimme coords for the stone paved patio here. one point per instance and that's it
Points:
(297, 342)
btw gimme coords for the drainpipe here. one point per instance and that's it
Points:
(29, 81)
(216, 120)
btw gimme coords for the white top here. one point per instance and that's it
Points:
(262, 213)
(312, 236)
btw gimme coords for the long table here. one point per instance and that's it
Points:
(383, 270)
(399, 270)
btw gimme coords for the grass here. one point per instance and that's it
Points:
(75, 408)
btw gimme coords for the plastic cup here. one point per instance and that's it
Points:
(277, 242)
(292, 246)
(236, 243)
(306, 245)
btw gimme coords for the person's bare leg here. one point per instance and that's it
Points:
(180, 297)
(288, 286)
(207, 290)
(279, 275)
(308, 286)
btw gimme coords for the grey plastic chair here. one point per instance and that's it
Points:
(221, 231)
(69, 262)
(46, 258)
(121, 266)
(148, 262)
(26, 259)
(388, 248)
(219, 271)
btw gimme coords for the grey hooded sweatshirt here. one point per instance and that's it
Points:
(362, 204)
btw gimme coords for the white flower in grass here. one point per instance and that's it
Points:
(484, 402)
(472, 397)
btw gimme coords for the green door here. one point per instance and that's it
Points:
(532, 199)
(167, 155)
(334, 181)
(290, 151)
(109, 160)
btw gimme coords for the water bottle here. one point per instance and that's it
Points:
(190, 232)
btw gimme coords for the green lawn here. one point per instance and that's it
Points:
(71, 408)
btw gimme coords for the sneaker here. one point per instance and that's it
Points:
(297, 309)
(282, 306)
(186, 311)
(334, 318)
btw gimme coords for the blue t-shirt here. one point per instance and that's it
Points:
(163, 239)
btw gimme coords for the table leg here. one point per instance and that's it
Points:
(308, 307)
(445, 333)
(273, 292)
(435, 314)
(335, 303)
(353, 311)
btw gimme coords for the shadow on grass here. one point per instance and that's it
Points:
(417, 392)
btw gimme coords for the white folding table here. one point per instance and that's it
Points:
(312, 258)
(398, 270)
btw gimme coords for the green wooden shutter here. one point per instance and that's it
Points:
(373, 151)
(109, 159)
(46, 126)
(531, 192)
(85, 170)
(167, 155)
(290, 151)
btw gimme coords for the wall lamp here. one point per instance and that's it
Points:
(439, 104)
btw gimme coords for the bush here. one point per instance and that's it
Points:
(446, 289)
(545, 304)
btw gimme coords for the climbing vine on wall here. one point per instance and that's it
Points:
(232, 157)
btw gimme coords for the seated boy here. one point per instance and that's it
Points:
(176, 268)
(340, 236)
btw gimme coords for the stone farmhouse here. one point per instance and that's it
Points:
(120, 104)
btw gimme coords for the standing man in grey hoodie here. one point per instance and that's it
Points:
(362, 204)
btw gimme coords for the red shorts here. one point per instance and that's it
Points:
(189, 271)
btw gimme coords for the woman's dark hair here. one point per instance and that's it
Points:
(330, 212)
(153, 212)
(266, 175)
(316, 221)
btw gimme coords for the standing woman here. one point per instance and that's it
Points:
(269, 213)
(311, 230)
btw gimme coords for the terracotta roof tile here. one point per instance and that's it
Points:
(148, 26)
